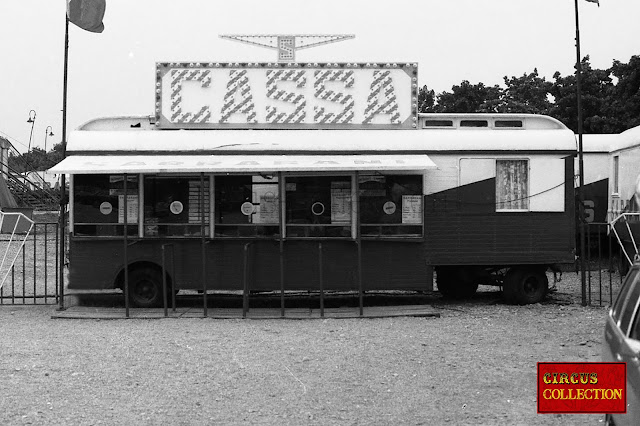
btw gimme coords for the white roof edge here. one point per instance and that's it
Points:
(124, 141)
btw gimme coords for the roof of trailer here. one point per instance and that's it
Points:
(136, 135)
(530, 121)
(594, 143)
(628, 139)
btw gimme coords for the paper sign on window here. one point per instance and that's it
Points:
(412, 209)
(269, 208)
(340, 202)
(132, 209)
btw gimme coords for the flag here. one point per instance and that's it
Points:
(595, 1)
(87, 14)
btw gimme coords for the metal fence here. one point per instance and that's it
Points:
(603, 264)
(34, 277)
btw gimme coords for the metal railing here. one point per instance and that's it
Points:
(34, 277)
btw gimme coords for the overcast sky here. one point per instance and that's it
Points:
(112, 73)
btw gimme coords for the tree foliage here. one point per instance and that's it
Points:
(36, 160)
(610, 97)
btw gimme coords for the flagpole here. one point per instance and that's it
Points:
(581, 221)
(63, 186)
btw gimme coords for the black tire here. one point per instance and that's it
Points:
(608, 420)
(525, 285)
(456, 283)
(145, 288)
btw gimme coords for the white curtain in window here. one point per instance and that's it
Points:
(512, 183)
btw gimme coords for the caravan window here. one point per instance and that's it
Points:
(390, 205)
(512, 185)
(98, 205)
(172, 206)
(247, 206)
(319, 206)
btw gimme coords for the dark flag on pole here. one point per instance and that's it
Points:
(87, 14)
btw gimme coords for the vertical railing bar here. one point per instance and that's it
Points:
(24, 278)
(203, 247)
(13, 284)
(173, 274)
(125, 254)
(321, 278)
(610, 268)
(588, 257)
(281, 211)
(600, 263)
(245, 281)
(46, 263)
(35, 232)
(164, 283)
(56, 227)
(359, 244)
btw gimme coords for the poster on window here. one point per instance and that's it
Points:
(340, 202)
(195, 215)
(132, 209)
(412, 209)
(268, 209)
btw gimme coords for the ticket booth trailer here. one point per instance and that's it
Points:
(244, 209)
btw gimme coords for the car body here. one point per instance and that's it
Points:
(622, 343)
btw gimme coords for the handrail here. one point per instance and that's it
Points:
(621, 217)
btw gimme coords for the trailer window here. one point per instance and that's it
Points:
(172, 206)
(318, 206)
(247, 206)
(390, 205)
(474, 123)
(512, 185)
(513, 124)
(98, 205)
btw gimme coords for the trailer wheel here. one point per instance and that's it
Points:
(525, 285)
(145, 288)
(456, 283)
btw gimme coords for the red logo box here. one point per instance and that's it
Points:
(582, 387)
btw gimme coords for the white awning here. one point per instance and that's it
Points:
(96, 164)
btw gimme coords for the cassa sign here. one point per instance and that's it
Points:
(227, 95)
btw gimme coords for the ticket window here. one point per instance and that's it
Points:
(98, 205)
(174, 206)
(247, 206)
(391, 205)
(319, 206)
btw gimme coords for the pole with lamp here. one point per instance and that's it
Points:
(581, 219)
(48, 132)
(32, 120)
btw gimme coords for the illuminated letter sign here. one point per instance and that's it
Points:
(280, 96)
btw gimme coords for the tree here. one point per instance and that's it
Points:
(426, 99)
(622, 106)
(36, 160)
(596, 86)
(527, 94)
(468, 98)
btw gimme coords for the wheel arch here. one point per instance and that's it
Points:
(141, 264)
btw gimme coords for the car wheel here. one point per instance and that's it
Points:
(525, 285)
(145, 288)
(608, 420)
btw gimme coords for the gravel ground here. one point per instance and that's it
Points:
(476, 364)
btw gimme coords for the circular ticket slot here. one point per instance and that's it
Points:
(246, 208)
(317, 208)
(176, 207)
(389, 207)
(106, 208)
